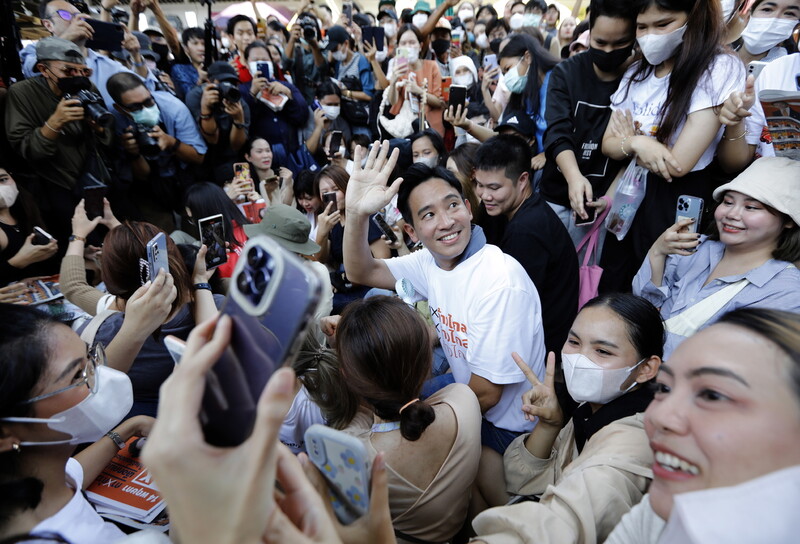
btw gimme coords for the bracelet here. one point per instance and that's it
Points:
(241, 126)
(199, 286)
(622, 146)
(51, 128)
(75, 237)
(137, 64)
(117, 439)
(745, 133)
(206, 117)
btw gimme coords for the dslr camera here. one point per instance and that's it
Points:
(148, 146)
(93, 105)
(309, 26)
(228, 91)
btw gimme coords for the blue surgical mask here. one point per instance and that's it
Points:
(514, 82)
(147, 116)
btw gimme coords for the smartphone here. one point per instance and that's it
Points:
(335, 143)
(175, 346)
(212, 234)
(93, 200)
(455, 37)
(329, 197)
(458, 96)
(401, 57)
(690, 207)
(754, 68)
(379, 220)
(490, 62)
(342, 460)
(40, 237)
(157, 256)
(272, 299)
(373, 33)
(106, 36)
(262, 67)
(241, 172)
(347, 10)
(590, 212)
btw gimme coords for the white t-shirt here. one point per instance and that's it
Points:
(78, 522)
(646, 99)
(483, 309)
(312, 218)
(778, 75)
(302, 415)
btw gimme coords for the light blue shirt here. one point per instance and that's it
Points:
(774, 285)
(102, 68)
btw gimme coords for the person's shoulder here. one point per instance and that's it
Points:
(726, 65)
(25, 85)
(457, 395)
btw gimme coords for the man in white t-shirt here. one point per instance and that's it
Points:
(482, 302)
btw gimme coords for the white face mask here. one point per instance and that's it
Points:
(380, 56)
(762, 34)
(419, 20)
(516, 21)
(657, 48)
(465, 14)
(339, 55)
(390, 29)
(94, 416)
(8, 195)
(482, 41)
(727, 9)
(428, 161)
(465, 80)
(532, 19)
(589, 382)
(331, 112)
(412, 54)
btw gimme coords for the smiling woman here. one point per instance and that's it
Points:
(726, 411)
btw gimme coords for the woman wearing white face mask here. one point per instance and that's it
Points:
(590, 471)
(53, 396)
(771, 23)
(19, 256)
(665, 116)
(427, 147)
(327, 118)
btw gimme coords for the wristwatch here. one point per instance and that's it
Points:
(198, 286)
(74, 237)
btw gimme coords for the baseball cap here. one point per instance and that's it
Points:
(583, 40)
(222, 71)
(517, 121)
(146, 46)
(53, 48)
(384, 13)
(286, 225)
(774, 181)
(337, 35)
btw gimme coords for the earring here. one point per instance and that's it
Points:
(16, 447)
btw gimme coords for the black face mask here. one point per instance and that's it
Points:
(494, 45)
(610, 61)
(440, 46)
(72, 85)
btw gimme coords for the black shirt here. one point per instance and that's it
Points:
(537, 239)
(577, 114)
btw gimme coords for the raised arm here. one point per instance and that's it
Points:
(368, 192)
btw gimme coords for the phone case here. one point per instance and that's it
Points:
(212, 234)
(157, 256)
(385, 228)
(342, 459)
(175, 346)
(689, 207)
(272, 299)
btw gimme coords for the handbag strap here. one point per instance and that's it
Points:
(592, 236)
(90, 330)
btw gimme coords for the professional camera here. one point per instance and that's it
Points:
(309, 26)
(228, 91)
(148, 146)
(94, 106)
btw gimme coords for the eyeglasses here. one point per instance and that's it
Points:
(70, 71)
(138, 106)
(96, 357)
(64, 14)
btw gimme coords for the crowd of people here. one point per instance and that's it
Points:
(557, 254)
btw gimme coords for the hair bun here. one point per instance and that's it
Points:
(415, 418)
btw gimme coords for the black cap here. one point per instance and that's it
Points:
(518, 121)
(361, 20)
(382, 14)
(336, 35)
(222, 71)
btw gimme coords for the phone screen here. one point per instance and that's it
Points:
(40, 237)
(106, 36)
(378, 34)
(93, 201)
(157, 256)
(489, 62)
(335, 143)
(385, 228)
(329, 197)
(273, 297)
(212, 235)
(591, 212)
(458, 96)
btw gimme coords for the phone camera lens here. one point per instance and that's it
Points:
(260, 280)
(256, 257)
(243, 283)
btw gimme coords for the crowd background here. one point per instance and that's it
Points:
(557, 248)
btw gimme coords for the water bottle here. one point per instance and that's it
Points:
(627, 199)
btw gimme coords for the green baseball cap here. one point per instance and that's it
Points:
(286, 225)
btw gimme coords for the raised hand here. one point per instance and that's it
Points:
(541, 400)
(676, 240)
(738, 104)
(367, 190)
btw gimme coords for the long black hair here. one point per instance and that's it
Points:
(205, 199)
(541, 63)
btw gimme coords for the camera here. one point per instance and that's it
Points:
(228, 91)
(255, 276)
(309, 27)
(94, 106)
(148, 146)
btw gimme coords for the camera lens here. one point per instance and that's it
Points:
(256, 257)
(260, 280)
(243, 284)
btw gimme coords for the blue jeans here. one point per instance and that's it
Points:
(496, 438)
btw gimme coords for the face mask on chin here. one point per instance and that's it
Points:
(589, 382)
(94, 416)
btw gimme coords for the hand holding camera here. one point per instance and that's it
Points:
(165, 141)
(68, 110)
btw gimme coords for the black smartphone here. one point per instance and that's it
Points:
(212, 235)
(336, 142)
(347, 10)
(329, 197)
(106, 36)
(373, 33)
(93, 200)
(591, 215)
(266, 70)
(458, 97)
(40, 237)
(272, 299)
(385, 228)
